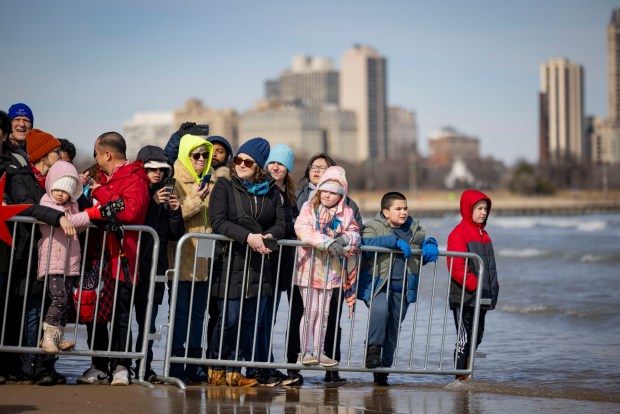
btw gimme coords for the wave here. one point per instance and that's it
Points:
(522, 253)
(546, 310)
(580, 224)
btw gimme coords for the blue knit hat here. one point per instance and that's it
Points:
(20, 109)
(282, 154)
(257, 148)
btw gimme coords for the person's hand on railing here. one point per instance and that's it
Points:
(430, 252)
(255, 241)
(67, 227)
(335, 249)
(404, 246)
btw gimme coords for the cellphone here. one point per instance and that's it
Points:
(169, 184)
(205, 180)
(272, 244)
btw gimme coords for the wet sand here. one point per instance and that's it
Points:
(315, 397)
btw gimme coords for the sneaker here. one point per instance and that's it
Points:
(286, 379)
(293, 373)
(93, 376)
(235, 379)
(326, 361)
(120, 376)
(309, 359)
(267, 380)
(217, 377)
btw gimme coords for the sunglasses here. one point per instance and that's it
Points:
(204, 155)
(247, 163)
(155, 169)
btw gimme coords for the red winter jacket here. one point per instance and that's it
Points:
(130, 183)
(469, 236)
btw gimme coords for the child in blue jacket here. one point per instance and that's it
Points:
(393, 228)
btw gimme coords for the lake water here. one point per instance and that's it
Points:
(556, 329)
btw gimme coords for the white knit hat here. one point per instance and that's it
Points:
(68, 184)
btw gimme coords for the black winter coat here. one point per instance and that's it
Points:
(169, 225)
(268, 213)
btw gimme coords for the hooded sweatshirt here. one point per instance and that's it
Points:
(193, 208)
(57, 260)
(306, 229)
(469, 236)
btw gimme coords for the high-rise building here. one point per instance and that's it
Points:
(311, 82)
(147, 128)
(603, 138)
(402, 133)
(613, 58)
(363, 90)
(307, 130)
(561, 111)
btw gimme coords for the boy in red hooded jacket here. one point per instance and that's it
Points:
(470, 236)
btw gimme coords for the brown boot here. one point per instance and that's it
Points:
(217, 377)
(63, 344)
(235, 379)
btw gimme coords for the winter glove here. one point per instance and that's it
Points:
(93, 212)
(430, 252)
(111, 208)
(184, 127)
(342, 240)
(404, 246)
(335, 249)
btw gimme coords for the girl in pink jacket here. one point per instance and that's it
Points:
(62, 189)
(327, 224)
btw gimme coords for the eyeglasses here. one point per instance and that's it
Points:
(248, 163)
(204, 155)
(318, 167)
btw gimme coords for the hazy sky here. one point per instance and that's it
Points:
(85, 67)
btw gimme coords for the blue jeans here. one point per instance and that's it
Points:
(230, 324)
(384, 323)
(182, 316)
(263, 336)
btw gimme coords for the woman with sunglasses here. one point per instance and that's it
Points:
(193, 163)
(314, 171)
(246, 282)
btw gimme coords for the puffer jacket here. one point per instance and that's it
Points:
(267, 211)
(379, 233)
(469, 236)
(193, 209)
(57, 262)
(303, 194)
(306, 230)
(130, 183)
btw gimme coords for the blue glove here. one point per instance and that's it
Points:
(404, 246)
(430, 252)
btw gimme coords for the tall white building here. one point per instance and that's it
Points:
(613, 61)
(148, 128)
(562, 126)
(363, 90)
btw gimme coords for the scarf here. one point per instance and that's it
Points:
(325, 220)
(37, 174)
(256, 188)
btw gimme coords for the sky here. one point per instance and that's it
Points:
(85, 67)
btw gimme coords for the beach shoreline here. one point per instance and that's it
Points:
(442, 203)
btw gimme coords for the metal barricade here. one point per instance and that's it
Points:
(23, 307)
(421, 340)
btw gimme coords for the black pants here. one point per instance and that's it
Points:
(464, 339)
(121, 333)
(297, 315)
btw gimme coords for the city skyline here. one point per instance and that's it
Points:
(86, 69)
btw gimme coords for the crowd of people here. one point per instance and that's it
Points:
(197, 183)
